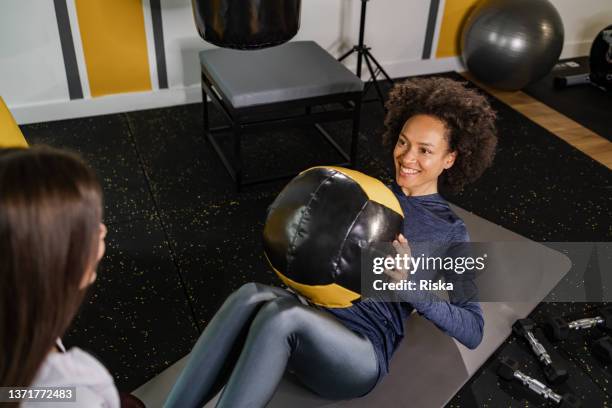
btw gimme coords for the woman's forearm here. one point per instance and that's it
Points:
(465, 323)
(462, 321)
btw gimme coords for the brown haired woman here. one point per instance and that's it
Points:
(51, 240)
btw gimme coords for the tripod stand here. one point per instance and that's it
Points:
(363, 53)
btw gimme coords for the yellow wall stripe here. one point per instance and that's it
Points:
(455, 15)
(10, 134)
(115, 45)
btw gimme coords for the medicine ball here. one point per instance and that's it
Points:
(600, 59)
(318, 227)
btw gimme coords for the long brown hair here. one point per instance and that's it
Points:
(50, 213)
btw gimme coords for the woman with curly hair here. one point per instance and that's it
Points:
(444, 134)
(458, 122)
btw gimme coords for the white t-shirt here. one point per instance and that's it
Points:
(95, 387)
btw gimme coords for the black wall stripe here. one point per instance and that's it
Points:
(158, 39)
(431, 28)
(70, 62)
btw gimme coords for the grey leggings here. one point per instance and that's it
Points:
(258, 332)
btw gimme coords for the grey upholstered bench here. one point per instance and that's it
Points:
(243, 84)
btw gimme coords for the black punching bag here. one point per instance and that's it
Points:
(247, 24)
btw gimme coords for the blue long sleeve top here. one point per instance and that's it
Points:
(428, 218)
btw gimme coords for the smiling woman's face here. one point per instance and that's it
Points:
(421, 154)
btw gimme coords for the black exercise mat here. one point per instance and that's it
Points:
(586, 104)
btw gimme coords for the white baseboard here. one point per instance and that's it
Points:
(400, 69)
(57, 110)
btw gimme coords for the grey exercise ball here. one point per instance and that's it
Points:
(510, 43)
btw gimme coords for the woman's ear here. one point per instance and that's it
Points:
(91, 274)
(101, 242)
(88, 278)
(449, 160)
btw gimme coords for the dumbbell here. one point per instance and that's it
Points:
(559, 328)
(553, 372)
(508, 370)
(602, 348)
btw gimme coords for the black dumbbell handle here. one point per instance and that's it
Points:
(565, 81)
(537, 387)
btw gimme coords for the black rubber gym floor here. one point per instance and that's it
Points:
(180, 239)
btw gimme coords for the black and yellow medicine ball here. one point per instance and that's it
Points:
(319, 225)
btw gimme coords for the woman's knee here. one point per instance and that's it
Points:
(253, 292)
(281, 316)
(246, 290)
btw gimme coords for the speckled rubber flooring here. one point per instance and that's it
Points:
(180, 239)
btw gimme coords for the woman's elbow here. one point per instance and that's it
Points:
(475, 339)
(474, 342)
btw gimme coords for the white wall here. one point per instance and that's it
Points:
(397, 42)
(582, 20)
(33, 81)
(31, 64)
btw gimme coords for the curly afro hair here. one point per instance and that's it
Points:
(467, 115)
